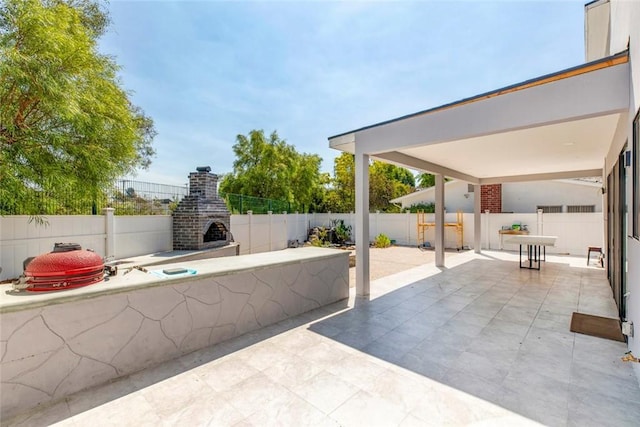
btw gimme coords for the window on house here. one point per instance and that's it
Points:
(550, 208)
(581, 208)
(469, 188)
(636, 176)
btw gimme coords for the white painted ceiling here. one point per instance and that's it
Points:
(567, 146)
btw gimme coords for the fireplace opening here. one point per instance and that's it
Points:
(216, 232)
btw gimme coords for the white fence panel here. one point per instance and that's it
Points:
(576, 231)
(136, 235)
(21, 239)
(241, 231)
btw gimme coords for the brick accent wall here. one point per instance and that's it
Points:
(491, 198)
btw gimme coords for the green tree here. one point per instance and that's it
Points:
(269, 167)
(426, 180)
(66, 125)
(341, 197)
(386, 182)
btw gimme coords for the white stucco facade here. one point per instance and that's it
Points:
(517, 197)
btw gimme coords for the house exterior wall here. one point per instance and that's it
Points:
(527, 196)
(597, 30)
(625, 33)
(456, 197)
(518, 197)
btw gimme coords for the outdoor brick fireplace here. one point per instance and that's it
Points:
(201, 220)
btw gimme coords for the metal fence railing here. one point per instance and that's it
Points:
(240, 204)
(129, 197)
(145, 198)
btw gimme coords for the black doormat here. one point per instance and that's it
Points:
(597, 326)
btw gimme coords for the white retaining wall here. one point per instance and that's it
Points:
(139, 235)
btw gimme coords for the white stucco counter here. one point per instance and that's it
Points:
(54, 344)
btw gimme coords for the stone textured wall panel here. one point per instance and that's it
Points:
(48, 353)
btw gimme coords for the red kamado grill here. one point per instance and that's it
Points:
(67, 266)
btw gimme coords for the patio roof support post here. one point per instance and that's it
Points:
(362, 224)
(439, 210)
(477, 219)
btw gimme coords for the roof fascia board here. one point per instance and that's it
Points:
(542, 176)
(422, 165)
(619, 58)
(588, 95)
(343, 141)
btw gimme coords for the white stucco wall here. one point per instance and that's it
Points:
(454, 197)
(518, 197)
(625, 32)
(527, 196)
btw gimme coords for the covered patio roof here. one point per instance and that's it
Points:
(555, 126)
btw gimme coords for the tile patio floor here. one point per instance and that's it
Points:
(481, 342)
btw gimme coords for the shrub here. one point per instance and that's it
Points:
(382, 241)
(341, 231)
(426, 207)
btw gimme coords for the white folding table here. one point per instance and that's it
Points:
(534, 244)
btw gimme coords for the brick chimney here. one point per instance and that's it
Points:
(201, 220)
(491, 198)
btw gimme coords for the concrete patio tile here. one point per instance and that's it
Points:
(326, 353)
(412, 421)
(291, 370)
(205, 410)
(325, 391)
(416, 362)
(225, 375)
(443, 405)
(359, 370)
(368, 410)
(120, 412)
(435, 352)
(551, 365)
(296, 341)
(531, 406)
(173, 394)
(591, 408)
(417, 328)
(558, 322)
(262, 355)
(527, 383)
(489, 369)
(543, 342)
(400, 389)
(294, 412)
(256, 392)
(517, 314)
(468, 382)
(604, 383)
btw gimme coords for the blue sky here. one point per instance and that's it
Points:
(206, 71)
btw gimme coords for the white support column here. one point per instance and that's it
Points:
(362, 224)
(439, 220)
(270, 213)
(477, 219)
(250, 218)
(109, 230)
(487, 228)
(540, 226)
